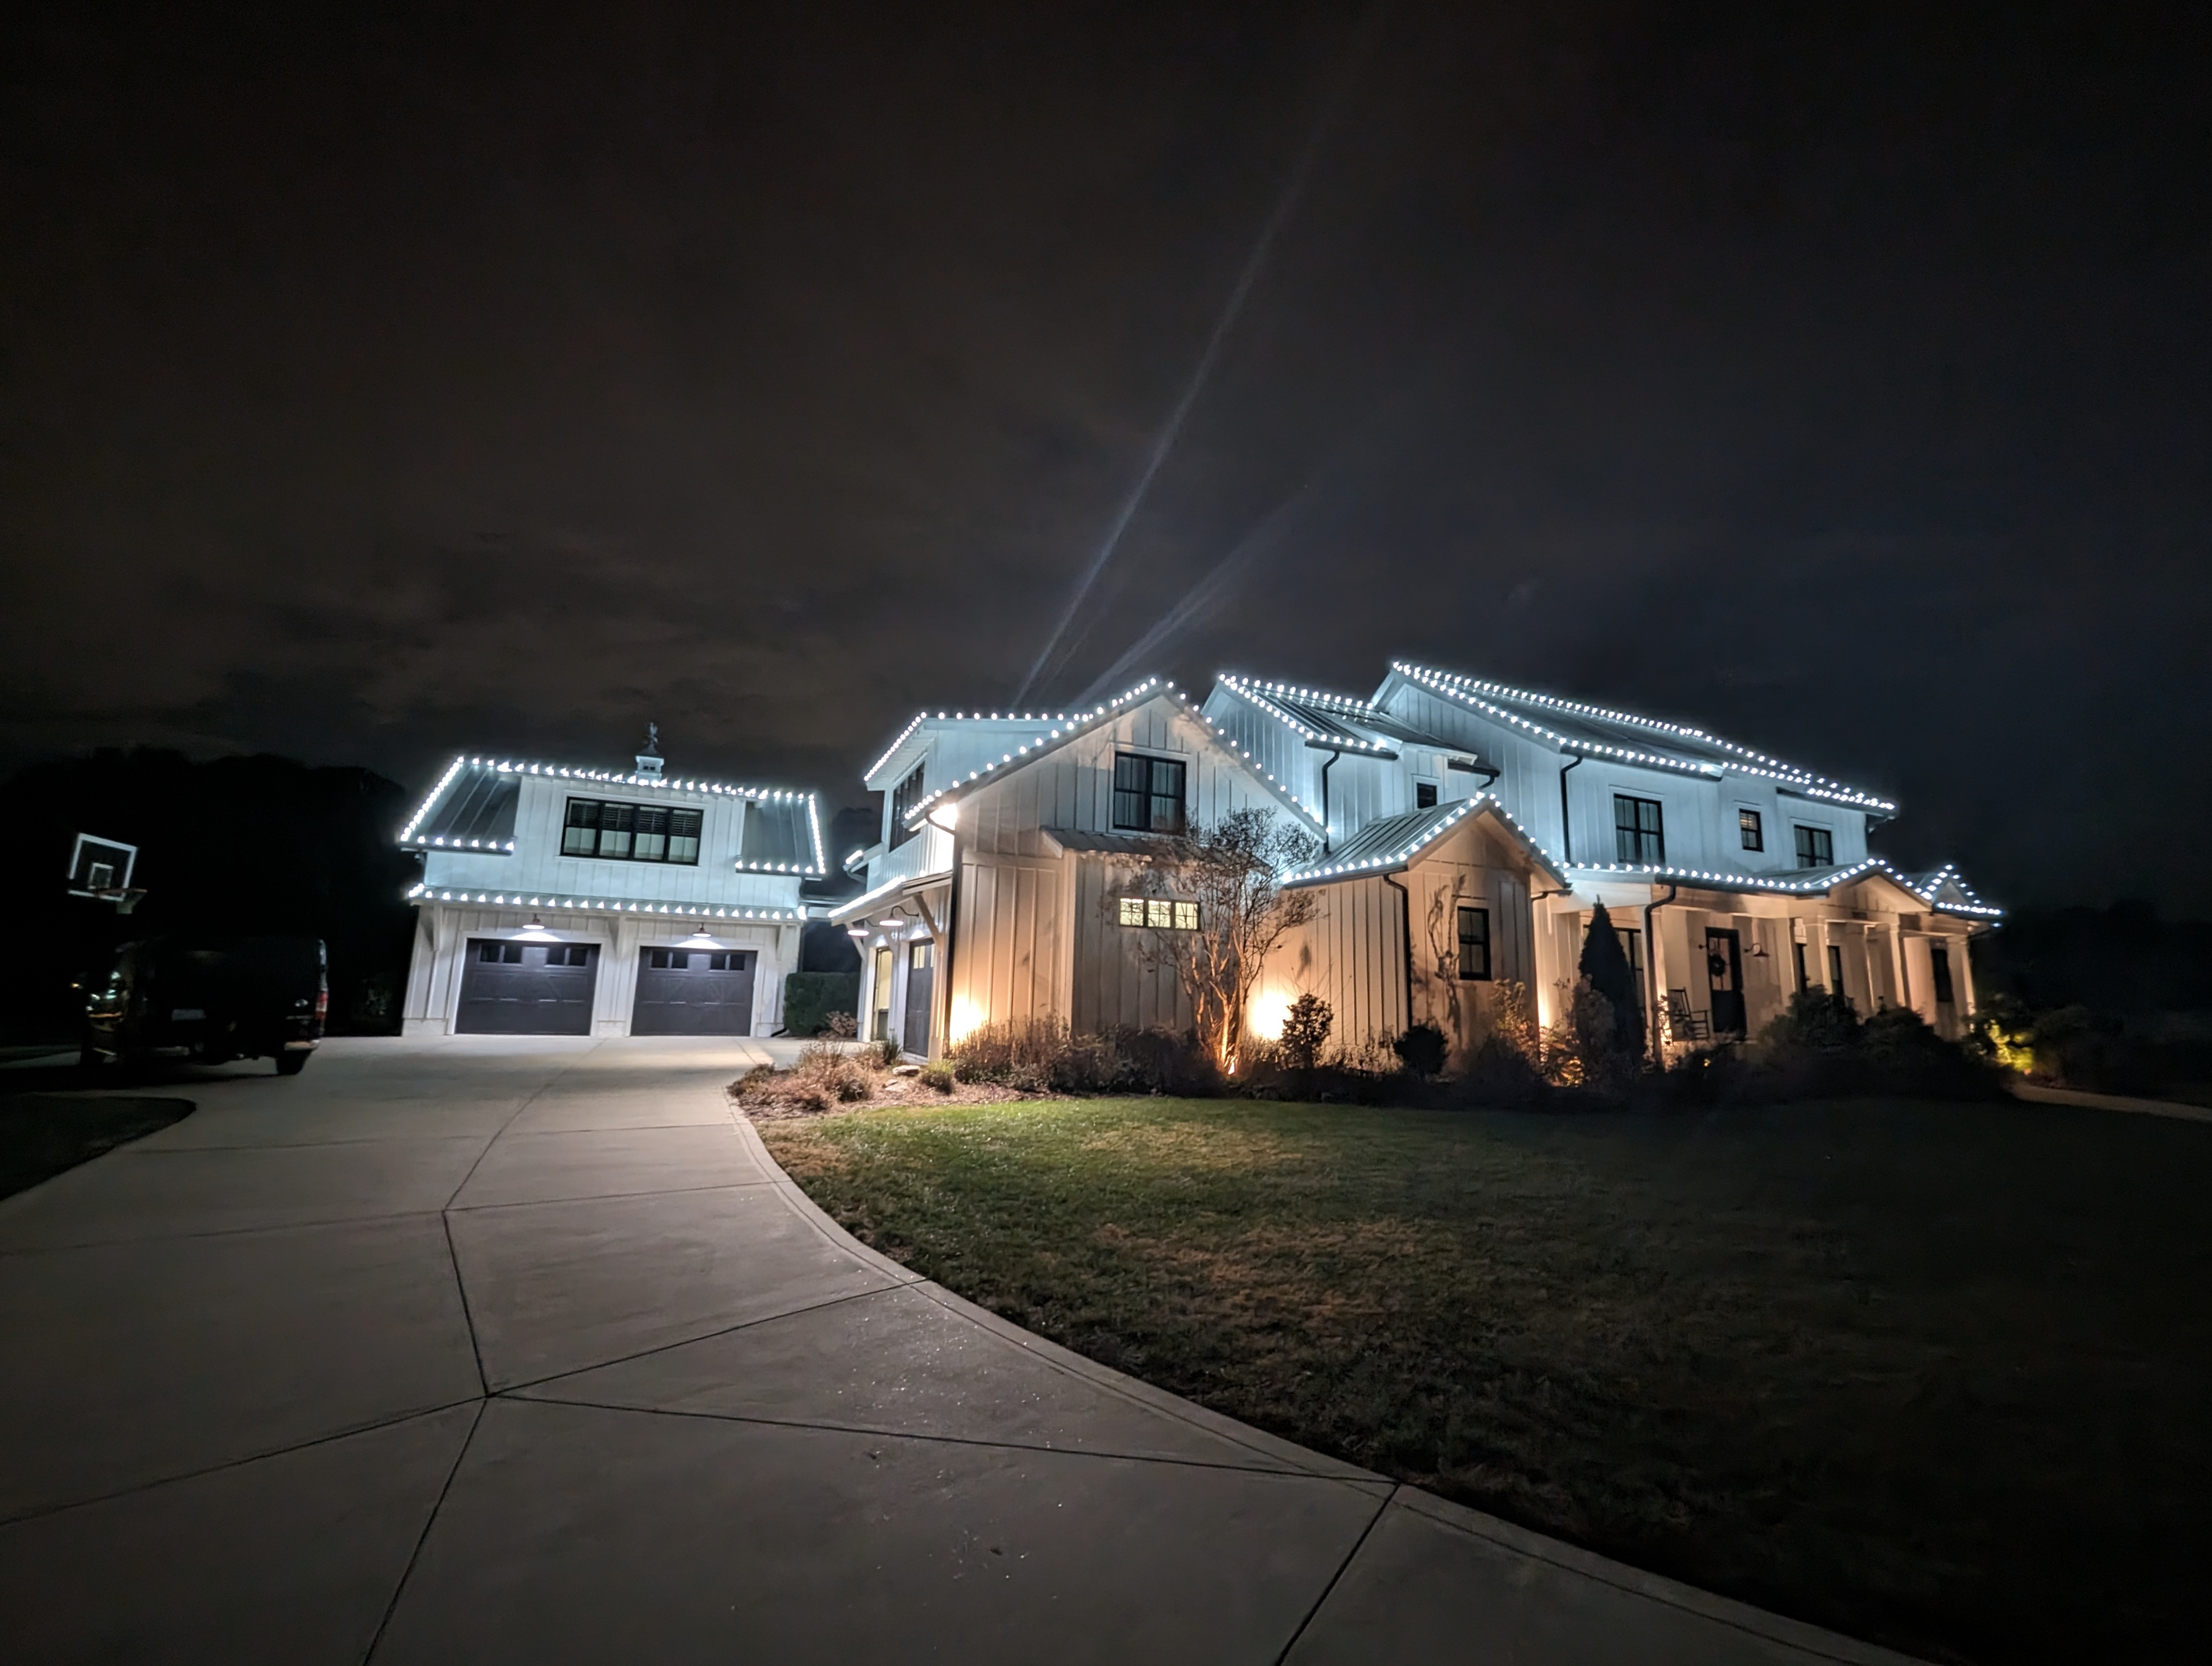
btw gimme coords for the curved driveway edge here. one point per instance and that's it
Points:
(479, 1350)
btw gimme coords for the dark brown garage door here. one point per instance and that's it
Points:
(694, 992)
(510, 988)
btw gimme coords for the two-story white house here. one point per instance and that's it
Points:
(1465, 831)
(1733, 878)
(560, 900)
(1008, 881)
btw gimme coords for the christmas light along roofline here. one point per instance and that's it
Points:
(616, 778)
(923, 717)
(1719, 881)
(1252, 690)
(1070, 727)
(602, 905)
(1399, 858)
(1456, 686)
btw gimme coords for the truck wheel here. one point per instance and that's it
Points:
(291, 1064)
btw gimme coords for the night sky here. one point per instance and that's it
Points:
(1837, 378)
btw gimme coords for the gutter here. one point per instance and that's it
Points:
(1652, 975)
(1336, 752)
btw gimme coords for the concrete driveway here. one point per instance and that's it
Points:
(486, 1350)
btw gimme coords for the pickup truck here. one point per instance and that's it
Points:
(210, 999)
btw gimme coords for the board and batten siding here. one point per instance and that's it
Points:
(1034, 935)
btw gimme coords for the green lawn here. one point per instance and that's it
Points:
(43, 1133)
(1936, 1375)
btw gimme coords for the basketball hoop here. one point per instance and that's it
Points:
(101, 869)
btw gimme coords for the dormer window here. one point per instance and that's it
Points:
(1148, 793)
(1424, 795)
(1751, 829)
(1816, 847)
(605, 831)
(1638, 834)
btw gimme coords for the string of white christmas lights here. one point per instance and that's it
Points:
(1454, 685)
(422, 893)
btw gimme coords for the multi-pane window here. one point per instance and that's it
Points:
(1148, 793)
(1160, 913)
(1816, 847)
(1473, 943)
(500, 954)
(631, 832)
(685, 960)
(1638, 834)
(1753, 831)
(568, 954)
(1424, 795)
(904, 797)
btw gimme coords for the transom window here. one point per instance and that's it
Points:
(1816, 848)
(1160, 913)
(687, 960)
(1148, 793)
(904, 797)
(1637, 833)
(609, 832)
(1473, 943)
(1753, 831)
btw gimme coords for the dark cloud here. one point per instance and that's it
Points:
(375, 386)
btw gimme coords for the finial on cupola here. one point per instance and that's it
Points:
(649, 761)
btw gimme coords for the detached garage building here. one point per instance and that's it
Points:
(558, 901)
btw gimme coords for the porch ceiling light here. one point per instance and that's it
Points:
(535, 932)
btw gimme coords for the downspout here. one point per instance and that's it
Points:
(1334, 753)
(1406, 930)
(1566, 823)
(944, 1036)
(1651, 976)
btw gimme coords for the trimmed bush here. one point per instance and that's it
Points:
(1422, 1050)
(811, 999)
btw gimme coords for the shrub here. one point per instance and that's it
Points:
(885, 1053)
(1499, 1074)
(1037, 1055)
(939, 1076)
(813, 1001)
(1820, 1047)
(1305, 1030)
(1421, 1050)
(824, 1074)
(1815, 1020)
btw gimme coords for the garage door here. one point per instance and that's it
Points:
(510, 988)
(694, 992)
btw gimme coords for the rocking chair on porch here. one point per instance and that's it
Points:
(1685, 1023)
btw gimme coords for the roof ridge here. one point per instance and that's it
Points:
(1474, 689)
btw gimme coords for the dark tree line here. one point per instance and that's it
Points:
(239, 844)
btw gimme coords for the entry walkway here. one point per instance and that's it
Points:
(488, 1350)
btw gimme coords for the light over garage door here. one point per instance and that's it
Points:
(694, 992)
(510, 988)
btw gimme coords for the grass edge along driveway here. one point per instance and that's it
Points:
(1935, 1375)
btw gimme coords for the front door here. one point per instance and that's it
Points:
(921, 985)
(1724, 976)
(694, 992)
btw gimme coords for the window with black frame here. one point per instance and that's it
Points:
(607, 831)
(1148, 793)
(904, 797)
(1639, 834)
(1750, 829)
(1473, 945)
(1816, 847)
